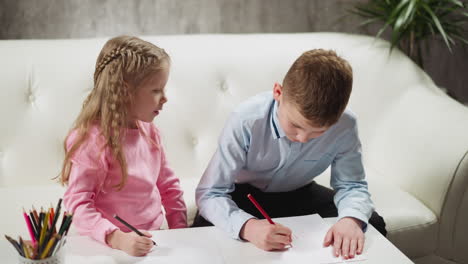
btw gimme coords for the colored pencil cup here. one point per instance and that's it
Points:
(57, 258)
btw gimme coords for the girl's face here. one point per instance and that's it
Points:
(149, 98)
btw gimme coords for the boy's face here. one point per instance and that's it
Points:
(296, 127)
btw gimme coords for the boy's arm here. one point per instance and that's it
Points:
(352, 197)
(212, 193)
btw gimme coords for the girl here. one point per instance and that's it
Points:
(114, 161)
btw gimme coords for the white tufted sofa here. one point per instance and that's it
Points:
(415, 138)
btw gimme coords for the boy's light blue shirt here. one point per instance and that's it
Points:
(254, 149)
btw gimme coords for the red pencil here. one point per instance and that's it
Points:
(252, 199)
(267, 217)
(29, 225)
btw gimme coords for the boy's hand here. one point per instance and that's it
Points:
(265, 235)
(131, 243)
(346, 236)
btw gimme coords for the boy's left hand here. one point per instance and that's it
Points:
(346, 236)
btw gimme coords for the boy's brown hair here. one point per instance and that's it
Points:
(319, 84)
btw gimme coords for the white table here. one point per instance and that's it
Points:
(206, 245)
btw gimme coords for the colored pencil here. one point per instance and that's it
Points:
(131, 227)
(29, 225)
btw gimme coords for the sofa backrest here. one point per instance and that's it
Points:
(44, 83)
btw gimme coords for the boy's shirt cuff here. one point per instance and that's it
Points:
(348, 212)
(238, 221)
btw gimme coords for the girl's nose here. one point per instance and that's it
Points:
(164, 100)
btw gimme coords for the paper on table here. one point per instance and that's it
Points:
(308, 234)
(194, 249)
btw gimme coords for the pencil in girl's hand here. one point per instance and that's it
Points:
(131, 227)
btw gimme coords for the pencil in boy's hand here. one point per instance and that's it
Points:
(263, 212)
(131, 227)
(267, 217)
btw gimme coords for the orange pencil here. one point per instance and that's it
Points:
(51, 216)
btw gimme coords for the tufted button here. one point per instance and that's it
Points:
(224, 86)
(31, 98)
(194, 141)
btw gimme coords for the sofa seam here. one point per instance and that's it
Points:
(419, 225)
(459, 200)
(446, 198)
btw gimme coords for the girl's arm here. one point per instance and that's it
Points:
(87, 175)
(171, 195)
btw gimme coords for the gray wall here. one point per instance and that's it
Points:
(44, 19)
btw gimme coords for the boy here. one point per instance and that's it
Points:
(274, 146)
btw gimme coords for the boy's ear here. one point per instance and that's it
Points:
(277, 91)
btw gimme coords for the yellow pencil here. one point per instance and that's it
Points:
(47, 248)
(25, 250)
(44, 229)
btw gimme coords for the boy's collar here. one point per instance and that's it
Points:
(276, 129)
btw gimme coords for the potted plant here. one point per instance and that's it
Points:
(413, 21)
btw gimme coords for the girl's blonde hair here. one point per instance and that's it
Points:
(123, 64)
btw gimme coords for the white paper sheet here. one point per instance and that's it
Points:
(308, 235)
(209, 245)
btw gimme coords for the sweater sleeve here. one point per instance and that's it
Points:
(87, 175)
(171, 194)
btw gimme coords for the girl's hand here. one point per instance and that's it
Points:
(265, 235)
(131, 243)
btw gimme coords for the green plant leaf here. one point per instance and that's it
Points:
(460, 38)
(457, 3)
(382, 30)
(403, 18)
(368, 21)
(438, 25)
(416, 20)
